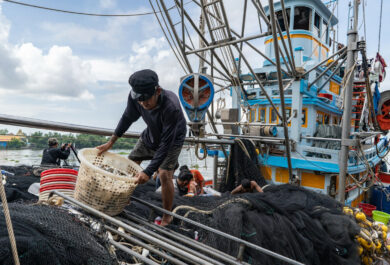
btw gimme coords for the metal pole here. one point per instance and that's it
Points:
(281, 92)
(286, 50)
(262, 14)
(73, 128)
(242, 30)
(181, 45)
(132, 230)
(259, 82)
(326, 70)
(132, 252)
(185, 240)
(179, 246)
(223, 44)
(330, 77)
(133, 240)
(246, 42)
(218, 232)
(215, 171)
(287, 25)
(325, 60)
(346, 121)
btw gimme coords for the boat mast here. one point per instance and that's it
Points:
(346, 122)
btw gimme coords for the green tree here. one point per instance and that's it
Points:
(15, 143)
(3, 132)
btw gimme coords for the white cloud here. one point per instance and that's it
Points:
(107, 3)
(58, 73)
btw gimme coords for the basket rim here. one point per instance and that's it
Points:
(104, 172)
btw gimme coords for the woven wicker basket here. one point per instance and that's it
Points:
(105, 191)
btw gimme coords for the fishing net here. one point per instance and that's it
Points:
(48, 235)
(289, 220)
(242, 164)
(16, 187)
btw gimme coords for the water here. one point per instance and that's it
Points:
(34, 157)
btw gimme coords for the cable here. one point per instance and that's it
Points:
(82, 13)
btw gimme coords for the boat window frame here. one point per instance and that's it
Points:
(270, 115)
(259, 114)
(288, 115)
(252, 110)
(304, 116)
(335, 120)
(318, 113)
(316, 33)
(309, 16)
(325, 28)
(288, 14)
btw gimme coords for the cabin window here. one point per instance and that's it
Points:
(302, 16)
(320, 117)
(325, 32)
(273, 116)
(317, 23)
(262, 113)
(288, 115)
(252, 115)
(279, 17)
(326, 118)
(304, 117)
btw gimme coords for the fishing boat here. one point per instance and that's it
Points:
(310, 106)
(309, 111)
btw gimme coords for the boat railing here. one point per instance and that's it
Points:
(332, 155)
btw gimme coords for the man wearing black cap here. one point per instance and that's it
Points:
(162, 140)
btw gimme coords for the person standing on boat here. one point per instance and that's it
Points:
(162, 140)
(53, 154)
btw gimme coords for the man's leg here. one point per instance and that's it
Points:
(167, 193)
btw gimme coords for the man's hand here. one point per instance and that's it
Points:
(141, 178)
(105, 147)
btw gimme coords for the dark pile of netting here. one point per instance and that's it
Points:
(48, 235)
(289, 220)
(241, 166)
(17, 185)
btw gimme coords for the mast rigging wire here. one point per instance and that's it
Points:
(83, 13)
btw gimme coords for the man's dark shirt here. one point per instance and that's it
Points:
(52, 155)
(166, 126)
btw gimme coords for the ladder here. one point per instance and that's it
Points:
(358, 98)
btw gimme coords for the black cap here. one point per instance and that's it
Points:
(144, 83)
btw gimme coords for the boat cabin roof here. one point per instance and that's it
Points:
(317, 5)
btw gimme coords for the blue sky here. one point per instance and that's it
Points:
(74, 69)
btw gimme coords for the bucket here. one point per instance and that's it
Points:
(105, 182)
(381, 216)
(61, 179)
(367, 208)
(385, 178)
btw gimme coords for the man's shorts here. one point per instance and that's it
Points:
(141, 152)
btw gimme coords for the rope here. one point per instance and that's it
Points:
(8, 222)
(380, 27)
(204, 151)
(196, 210)
(242, 145)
